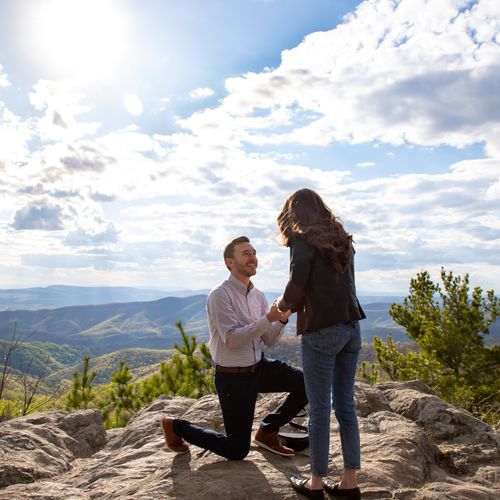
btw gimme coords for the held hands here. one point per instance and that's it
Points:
(274, 314)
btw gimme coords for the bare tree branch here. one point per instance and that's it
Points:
(30, 388)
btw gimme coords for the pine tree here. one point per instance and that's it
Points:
(123, 399)
(188, 373)
(448, 324)
(81, 393)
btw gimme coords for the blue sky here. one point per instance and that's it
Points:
(137, 138)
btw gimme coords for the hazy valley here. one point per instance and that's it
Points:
(142, 333)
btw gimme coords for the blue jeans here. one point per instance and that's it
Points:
(237, 396)
(329, 359)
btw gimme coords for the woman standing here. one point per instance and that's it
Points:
(322, 291)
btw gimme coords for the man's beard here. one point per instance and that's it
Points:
(245, 271)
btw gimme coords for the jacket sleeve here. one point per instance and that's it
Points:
(302, 256)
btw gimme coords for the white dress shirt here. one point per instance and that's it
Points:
(238, 324)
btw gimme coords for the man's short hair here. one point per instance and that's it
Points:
(229, 250)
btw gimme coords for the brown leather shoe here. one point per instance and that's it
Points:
(270, 441)
(174, 442)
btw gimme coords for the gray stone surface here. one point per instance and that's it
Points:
(414, 447)
(43, 445)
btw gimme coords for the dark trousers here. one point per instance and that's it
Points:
(237, 396)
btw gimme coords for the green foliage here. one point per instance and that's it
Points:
(16, 407)
(141, 362)
(122, 395)
(81, 393)
(368, 372)
(408, 365)
(19, 390)
(448, 325)
(188, 373)
(9, 409)
(44, 356)
(6, 367)
(451, 328)
(122, 398)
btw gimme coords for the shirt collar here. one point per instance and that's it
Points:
(239, 285)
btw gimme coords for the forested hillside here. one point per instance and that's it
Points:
(108, 327)
(104, 328)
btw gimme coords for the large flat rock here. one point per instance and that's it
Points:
(414, 446)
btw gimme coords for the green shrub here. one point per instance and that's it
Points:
(448, 325)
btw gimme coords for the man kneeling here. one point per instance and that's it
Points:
(240, 324)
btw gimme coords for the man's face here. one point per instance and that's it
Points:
(245, 260)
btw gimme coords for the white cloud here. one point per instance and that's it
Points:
(201, 93)
(424, 73)
(60, 105)
(14, 136)
(438, 219)
(493, 192)
(165, 101)
(63, 261)
(133, 104)
(4, 82)
(85, 156)
(39, 215)
(131, 141)
(93, 237)
(133, 205)
(60, 170)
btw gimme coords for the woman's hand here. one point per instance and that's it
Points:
(274, 314)
(285, 315)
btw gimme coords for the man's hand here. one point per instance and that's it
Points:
(274, 314)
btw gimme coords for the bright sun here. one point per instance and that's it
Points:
(80, 38)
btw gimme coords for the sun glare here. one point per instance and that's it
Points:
(80, 38)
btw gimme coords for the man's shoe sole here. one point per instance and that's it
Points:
(267, 447)
(181, 452)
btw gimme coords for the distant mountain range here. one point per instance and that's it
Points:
(104, 328)
(56, 296)
(53, 297)
(140, 332)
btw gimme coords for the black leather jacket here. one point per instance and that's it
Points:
(319, 294)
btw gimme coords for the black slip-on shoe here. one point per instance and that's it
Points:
(299, 485)
(345, 494)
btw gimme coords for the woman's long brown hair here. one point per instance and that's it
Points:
(305, 215)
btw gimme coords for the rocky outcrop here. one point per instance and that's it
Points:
(44, 445)
(414, 446)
